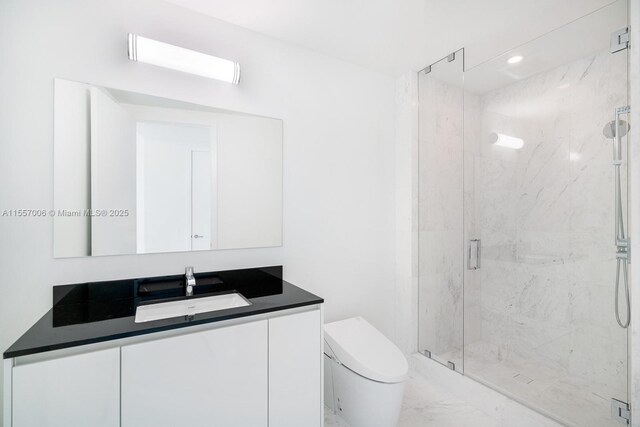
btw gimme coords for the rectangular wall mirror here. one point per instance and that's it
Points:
(136, 174)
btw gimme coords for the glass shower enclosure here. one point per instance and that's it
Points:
(441, 219)
(518, 217)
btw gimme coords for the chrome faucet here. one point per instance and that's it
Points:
(190, 280)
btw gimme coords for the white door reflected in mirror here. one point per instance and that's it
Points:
(174, 187)
(201, 225)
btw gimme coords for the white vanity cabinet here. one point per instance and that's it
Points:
(71, 391)
(295, 370)
(260, 371)
(210, 378)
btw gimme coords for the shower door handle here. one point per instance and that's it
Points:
(474, 249)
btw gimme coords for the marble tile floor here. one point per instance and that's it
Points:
(576, 401)
(436, 396)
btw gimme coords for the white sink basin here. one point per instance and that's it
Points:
(188, 307)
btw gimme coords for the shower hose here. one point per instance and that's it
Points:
(621, 260)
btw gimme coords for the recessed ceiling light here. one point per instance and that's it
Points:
(514, 59)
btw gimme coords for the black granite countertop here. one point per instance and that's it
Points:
(88, 313)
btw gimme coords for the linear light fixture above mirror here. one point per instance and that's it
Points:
(153, 52)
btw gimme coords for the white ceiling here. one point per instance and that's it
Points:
(394, 36)
(579, 39)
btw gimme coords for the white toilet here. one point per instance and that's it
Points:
(364, 374)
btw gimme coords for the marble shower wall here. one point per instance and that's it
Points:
(545, 216)
(441, 213)
(406, 189)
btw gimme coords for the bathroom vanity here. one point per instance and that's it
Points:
(87, 362)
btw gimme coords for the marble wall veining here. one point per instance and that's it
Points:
(545, 216)
(538, 317)
(406, 191)
(441, 212)
(541, 308)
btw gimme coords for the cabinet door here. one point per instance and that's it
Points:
(74, 391)
(295, 357)
(211, 378)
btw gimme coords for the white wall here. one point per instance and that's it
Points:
(113, 174)
(249, 165)
(72, 157)
(338, 151)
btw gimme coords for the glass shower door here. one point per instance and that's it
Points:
(539, 313)
(441, 221)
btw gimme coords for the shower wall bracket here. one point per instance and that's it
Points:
(620, 411)
(620, 40)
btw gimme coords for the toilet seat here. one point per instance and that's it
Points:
(366, 351)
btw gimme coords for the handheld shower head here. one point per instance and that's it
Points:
(609, 129)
